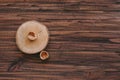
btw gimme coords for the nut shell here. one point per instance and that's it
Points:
(44, 55)
(31, 47)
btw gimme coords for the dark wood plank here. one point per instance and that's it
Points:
(84, 40)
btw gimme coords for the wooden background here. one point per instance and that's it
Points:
(84, 40)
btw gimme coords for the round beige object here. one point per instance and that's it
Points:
(32, 37)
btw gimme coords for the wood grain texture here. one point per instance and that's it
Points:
(84, 40)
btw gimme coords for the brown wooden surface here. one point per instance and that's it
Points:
(84, 40)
